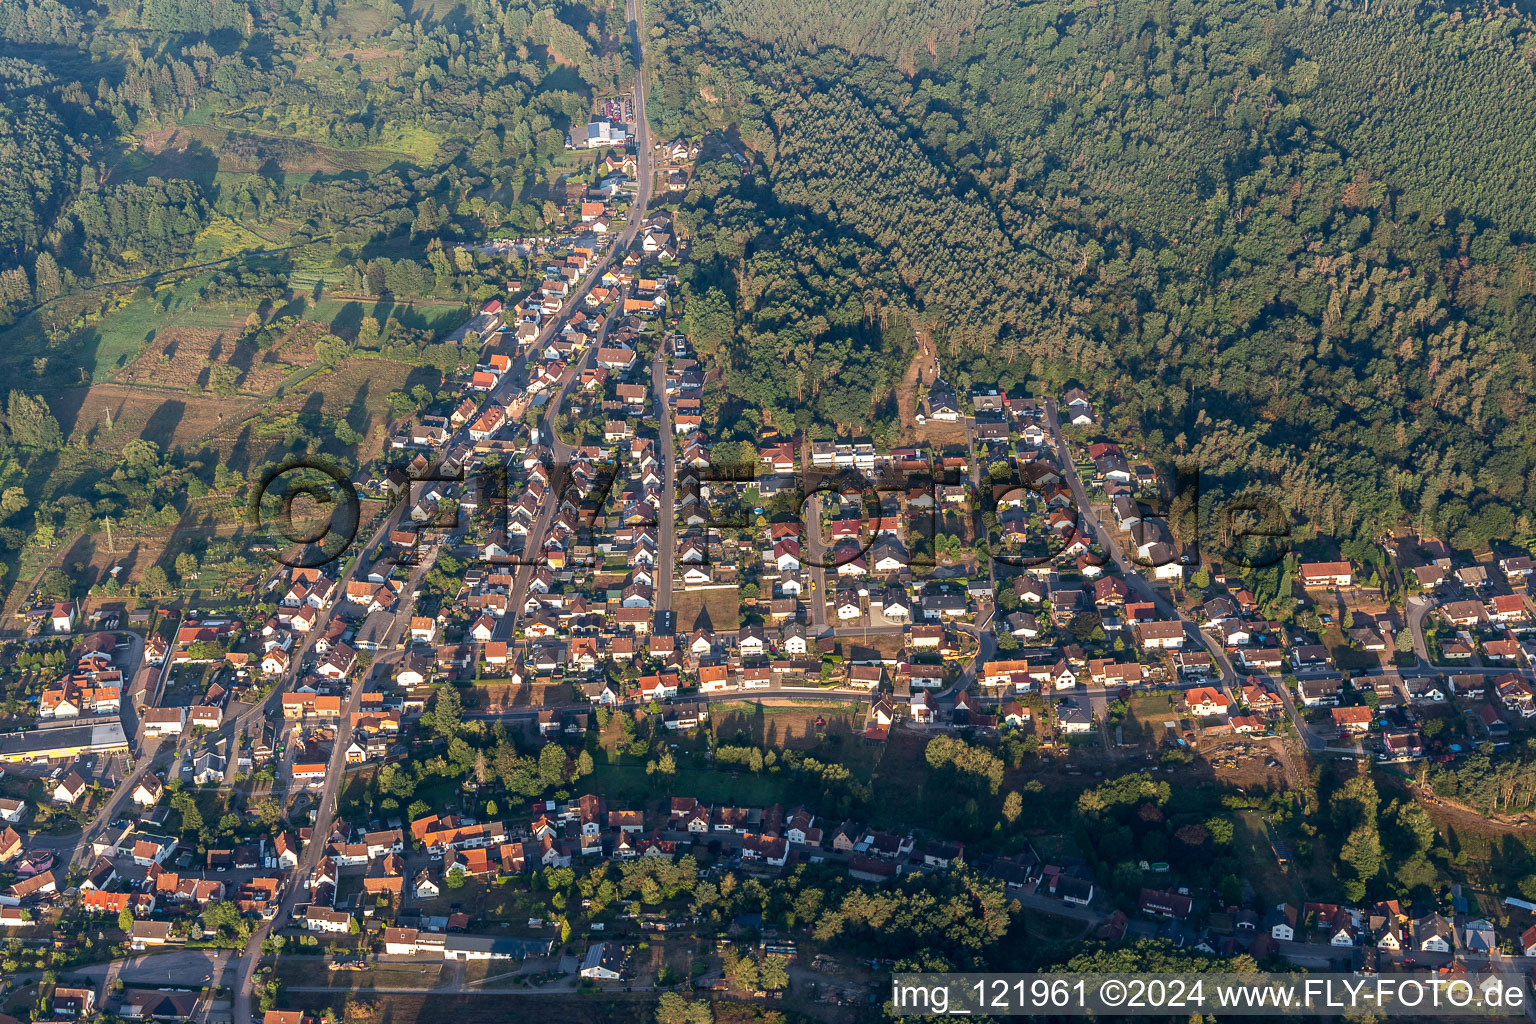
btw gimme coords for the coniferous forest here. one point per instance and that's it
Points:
(1290, 241)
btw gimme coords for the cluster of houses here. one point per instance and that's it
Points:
(134, 871)
(586, 829)
(94, 687)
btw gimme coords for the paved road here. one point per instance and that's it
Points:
(111, 809)
(814, 552)
(666, 532)
(1093, 529)
(637, 213)
(1418, 607)
(244, 966)
(534, 542)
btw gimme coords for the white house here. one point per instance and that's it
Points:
(147, 792)
(70, 789)
(323, 919)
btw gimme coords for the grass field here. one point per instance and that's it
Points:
(718, 610)
(200, 149)
(89, 561)
(356, 391)
(499, 694)
(355, 21)
(103, 344)
(305, 971)
(1145, 722)
(787, 726)
(224, 236)
(1258, 860)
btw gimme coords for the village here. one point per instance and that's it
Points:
(602, 683)
(1085, 639)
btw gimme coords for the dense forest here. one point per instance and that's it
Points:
(477, 97)
(1287, 240)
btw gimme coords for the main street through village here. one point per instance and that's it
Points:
(243, 969)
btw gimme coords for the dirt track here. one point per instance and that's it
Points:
(923, 370)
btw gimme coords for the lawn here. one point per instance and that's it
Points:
(1144, 721)
(356, 390)
(1257, 856)
(297, 970)
(209, 142)
(225, 237)
(102, 344)
(356, 21)
(794, 725)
